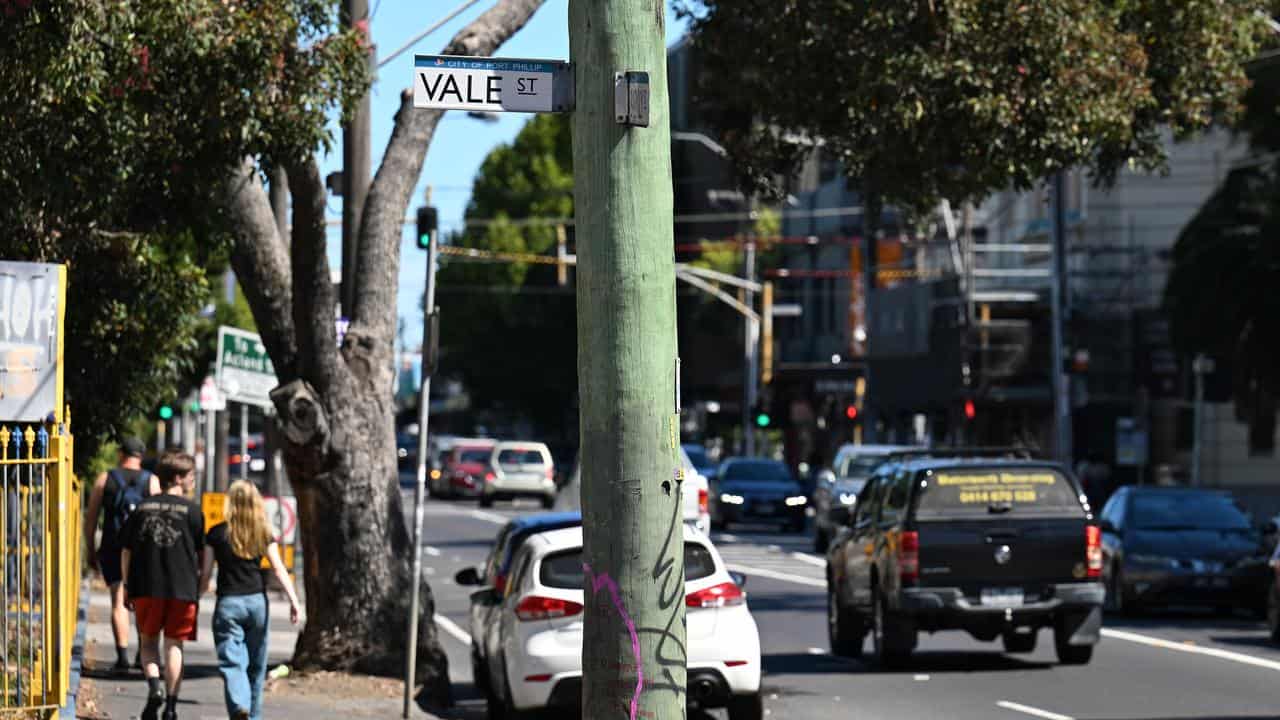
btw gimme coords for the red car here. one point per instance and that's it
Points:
(464, 469)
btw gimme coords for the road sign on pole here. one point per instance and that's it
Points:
(245, 373)
(479, 84)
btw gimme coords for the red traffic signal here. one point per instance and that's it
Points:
(969, 410)
(851, 412)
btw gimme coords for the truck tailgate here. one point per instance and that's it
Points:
(1002, 552)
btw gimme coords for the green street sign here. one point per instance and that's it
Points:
(244, 372)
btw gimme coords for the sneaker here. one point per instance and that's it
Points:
(155, 698)
(241, 714)
(172, 714)
(120, 669)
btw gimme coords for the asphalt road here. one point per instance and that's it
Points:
(1183, 665)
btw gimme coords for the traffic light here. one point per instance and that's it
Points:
(166, 412)
(762, 416)
(851, 412)
(428, 222)
(969, 410)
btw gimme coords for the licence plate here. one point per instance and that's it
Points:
(764, 508)
(1002, 597)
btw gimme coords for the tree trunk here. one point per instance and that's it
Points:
(634, 639)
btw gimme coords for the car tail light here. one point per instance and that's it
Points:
(722, 595)
(538, 678)
(702, 501)
(236, 459)
(551, 473)
(1093, 551)
(536, 607)
(490, 477)
(909, 557)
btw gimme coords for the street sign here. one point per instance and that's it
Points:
(787, 310)
(32, 308)
(452, 82)
(245, 373)
(211, 398)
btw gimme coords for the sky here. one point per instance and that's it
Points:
(460, 143)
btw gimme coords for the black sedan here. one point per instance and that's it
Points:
(1181, 546)
(756, 490)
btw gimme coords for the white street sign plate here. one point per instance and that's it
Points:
(451, 82)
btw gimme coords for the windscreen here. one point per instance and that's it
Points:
(564, 569)
(764, 472)
(1187, 511)
(998, 492)
(862, 466)
(520, 457)
(474, 455)
(697, 456)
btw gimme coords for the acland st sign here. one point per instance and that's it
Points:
(451, 82)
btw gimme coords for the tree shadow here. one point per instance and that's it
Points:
(924, 662)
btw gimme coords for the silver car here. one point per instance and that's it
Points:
(520, 469)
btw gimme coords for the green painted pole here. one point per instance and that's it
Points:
(634, 639)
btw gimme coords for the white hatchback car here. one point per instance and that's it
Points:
(534, 646)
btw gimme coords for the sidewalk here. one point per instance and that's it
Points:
(327, 695)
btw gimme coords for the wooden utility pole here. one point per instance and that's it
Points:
(634, 638)
(356, 166)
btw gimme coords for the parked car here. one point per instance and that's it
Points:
(1181, 546)
(533, 645)
(757, 490)
(519, 469)
(996, 547)
(837, 489)
(492, 576)
(701, 461)
(695, 500)
(254, 458)
(462, 469)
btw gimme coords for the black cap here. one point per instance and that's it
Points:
(133, 447)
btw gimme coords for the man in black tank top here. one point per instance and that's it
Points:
(107, 497)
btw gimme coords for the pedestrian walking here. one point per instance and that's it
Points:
(115, 495)
(240, 619)
(162, 546)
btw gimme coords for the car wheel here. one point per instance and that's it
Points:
(1020, 642)
(486, 501)
(845, 630)
(890, 637)
(1273, 612)
(1071, 654)
(1117, 600)
(746, 707)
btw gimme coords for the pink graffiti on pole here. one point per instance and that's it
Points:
(595, 582)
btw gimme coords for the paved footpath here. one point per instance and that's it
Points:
(296, 698)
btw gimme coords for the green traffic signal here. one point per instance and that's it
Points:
(428, 222)
(762, 420)
(166, 412)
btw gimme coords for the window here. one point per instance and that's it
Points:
(999, 491)
(867, 501)
(1182, 510)
(520, 457)
(750, 471)
(896, 493)
(861, 465)
(474, 455)
(517, 579)
(563, 570)
(492, 566)
(1113, 511)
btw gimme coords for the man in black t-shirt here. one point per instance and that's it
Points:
(162, 544)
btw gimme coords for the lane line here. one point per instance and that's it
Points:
(432, 551)
(1033, 711)
(1192, 649)
(785, 577)
(805, 557)
(486, 516)
(452, 629)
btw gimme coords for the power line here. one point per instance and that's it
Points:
(435, 26)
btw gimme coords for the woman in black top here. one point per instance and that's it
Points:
(238, 546)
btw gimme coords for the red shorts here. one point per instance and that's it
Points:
(176, 618)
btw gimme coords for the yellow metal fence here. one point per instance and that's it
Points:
(40, 541)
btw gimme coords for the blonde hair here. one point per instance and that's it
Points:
(247, 521)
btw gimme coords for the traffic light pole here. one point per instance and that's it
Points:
(750, 340)
(420, 487)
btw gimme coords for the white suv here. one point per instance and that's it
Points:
(519, 469)
(534, 646)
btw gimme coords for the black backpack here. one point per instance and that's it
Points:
(128, 494)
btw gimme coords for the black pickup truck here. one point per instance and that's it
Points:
(994, 546)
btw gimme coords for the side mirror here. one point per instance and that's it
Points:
(739, 579)
(826, 477)
(1107, 527)
(467, 576)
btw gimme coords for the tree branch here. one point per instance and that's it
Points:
(313, 294)
(261, 262)
(381, 228)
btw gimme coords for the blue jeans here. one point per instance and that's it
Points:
(240, 633)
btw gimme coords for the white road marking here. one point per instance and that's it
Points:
(494, 518)
(728, 538)
(921, 678)
(774, 548)
(817, 651)
(1033, 711)
(432, 551)
(453, 630)
(1193, 649)
(811, 559)
(785, 577)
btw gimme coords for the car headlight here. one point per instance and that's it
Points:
(796, 500)
(1158, 560)
(848, 498)
(729, 499)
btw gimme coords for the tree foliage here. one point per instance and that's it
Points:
(957, 98)
(509, 330)
(119, 117)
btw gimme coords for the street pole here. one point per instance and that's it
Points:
(355, 163)
(161, 426)
(870, 245)
(1058, 299)
(750, 331)
(1200, 367)
(633, 650)
(244, 441)
(210, 427)
(420, 487)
